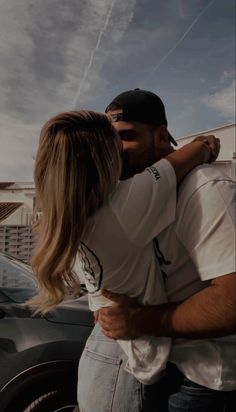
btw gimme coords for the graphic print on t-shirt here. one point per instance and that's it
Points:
(161, 258)
(153, 170)
(92, 268)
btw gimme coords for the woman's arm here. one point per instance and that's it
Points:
(204, 149)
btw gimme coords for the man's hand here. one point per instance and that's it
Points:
(210, 313)
(118, 321)
(213, 143)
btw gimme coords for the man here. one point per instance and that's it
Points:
(197, 258)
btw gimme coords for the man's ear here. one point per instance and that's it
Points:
(161, 141)
(163, 134)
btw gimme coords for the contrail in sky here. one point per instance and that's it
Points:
(180, 40)
(108, 16)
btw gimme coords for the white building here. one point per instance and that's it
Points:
(16, 211)
(227, 156)
(16, 203)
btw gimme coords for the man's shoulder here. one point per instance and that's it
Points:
(202, 175)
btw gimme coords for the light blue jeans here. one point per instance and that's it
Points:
(104, 385)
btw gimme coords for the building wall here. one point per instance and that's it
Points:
(17, 241)
(16, 237)
(19, 217)
(19, 192)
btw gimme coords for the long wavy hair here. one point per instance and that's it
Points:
(77, 167)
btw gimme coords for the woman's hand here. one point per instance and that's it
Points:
(213, 144)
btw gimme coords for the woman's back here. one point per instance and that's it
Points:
(118, 252)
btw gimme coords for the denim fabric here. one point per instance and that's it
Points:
(175, 393)
(195, 398)
(104, 385)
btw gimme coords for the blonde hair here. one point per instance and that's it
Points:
(77, 167)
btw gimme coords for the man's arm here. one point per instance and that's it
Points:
(207, 314)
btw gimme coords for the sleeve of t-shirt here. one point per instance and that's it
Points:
(207, 228)
(146, 203)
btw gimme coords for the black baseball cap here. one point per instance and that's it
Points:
(140, 106)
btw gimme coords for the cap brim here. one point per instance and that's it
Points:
(172, 140)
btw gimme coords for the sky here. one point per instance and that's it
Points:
(58, 55)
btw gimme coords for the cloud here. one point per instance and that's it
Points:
(184, 121)
(95, 49)
(180, 40)
(223, 101)
(18, 146)
(181, 9)
(55, 52)
(116, 19)
(45, 55)
(45, 49)
(226, 76)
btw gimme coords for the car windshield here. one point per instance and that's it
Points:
(16, 279)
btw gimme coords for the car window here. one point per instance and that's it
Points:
(15, 281)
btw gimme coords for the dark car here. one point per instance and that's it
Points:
(38, 354)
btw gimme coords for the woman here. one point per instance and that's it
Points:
(109, 224)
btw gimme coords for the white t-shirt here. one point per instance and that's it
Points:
(197, 247)
(118, 253)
